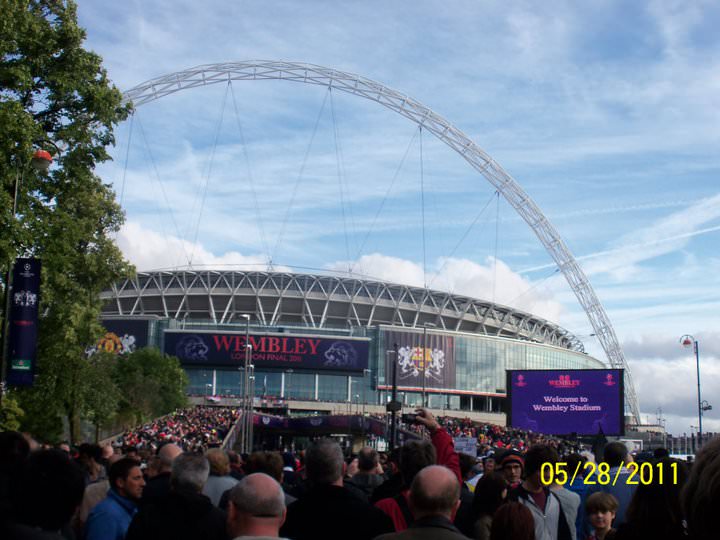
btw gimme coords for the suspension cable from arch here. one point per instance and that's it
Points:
(422, 204)
(164, 193)
(127, 157)
(497, 234)
(385, 198)
(535, 286)
(251, 180)
(339, 176)
(299, 177)
(209, 172)
(462, 238)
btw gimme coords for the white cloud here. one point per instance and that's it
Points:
(487, 281)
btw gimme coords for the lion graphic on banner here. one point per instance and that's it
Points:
(340, 354)
(411, 362)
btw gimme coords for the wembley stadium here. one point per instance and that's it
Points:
(330, 343)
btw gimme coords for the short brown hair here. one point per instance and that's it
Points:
(219, 461)
(269, 463)
(601, 502)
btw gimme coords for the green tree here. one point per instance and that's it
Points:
(10, 414)
(51, 88)
(151, 384)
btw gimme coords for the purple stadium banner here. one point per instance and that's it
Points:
(24, 301)
(283, 351)
(565, 402)
(122, 336)
(438, 362)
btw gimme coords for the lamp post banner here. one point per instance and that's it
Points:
(438, 362)
(202, 348)
(25, 299)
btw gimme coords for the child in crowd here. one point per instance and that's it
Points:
(601, 508)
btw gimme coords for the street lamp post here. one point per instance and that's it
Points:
(689, 341)
(246, 381)
(424, 361)
(40, 161)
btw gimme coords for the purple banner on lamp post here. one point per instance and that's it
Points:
(24, 303)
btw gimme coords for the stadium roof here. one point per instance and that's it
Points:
(320, 301)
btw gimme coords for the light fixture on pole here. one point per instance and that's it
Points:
(423, 361)
(689, 341)
(245, 393)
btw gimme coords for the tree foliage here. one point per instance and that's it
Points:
(51, 88)
(151, 384)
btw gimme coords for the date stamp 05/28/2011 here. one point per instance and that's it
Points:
(592, 474)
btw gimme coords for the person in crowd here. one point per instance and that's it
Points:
(570, 504)
(512, 465)
(616, 455)
(159, 485)
(220, 480)
(91, 460)
(327, 510)
(434, 499)
(184, 513)
(14, 450)
(490, 492)
(654, 510)
(256, 509)
(512, 521)
(415, 456)
(94, 495)
(393, 484)
(236, 468)
(46, 490)
(576, 462)
(488, 464)
(463, 518)
(544, 505)
(369, 472)
(269, 463)
(601, 509)
(701, 496)
(110, 519)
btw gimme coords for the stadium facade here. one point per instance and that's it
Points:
(320, 338)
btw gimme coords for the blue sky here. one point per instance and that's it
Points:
(607, 113)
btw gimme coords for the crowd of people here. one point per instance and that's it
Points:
(162, 483)
(193, 429)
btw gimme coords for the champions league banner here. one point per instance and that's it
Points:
(437, 364)
(216, 349)
(563, 402)
(24, 303)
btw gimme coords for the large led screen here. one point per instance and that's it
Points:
(564, 402)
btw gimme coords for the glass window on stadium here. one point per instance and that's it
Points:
(200, 382)
(332, 387)
(228, 382)
(300, 385)
(268, 383)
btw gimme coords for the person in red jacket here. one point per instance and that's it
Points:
(415, 456)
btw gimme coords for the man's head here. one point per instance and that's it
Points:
(219, 462)
(535, 457)
(324, 462)
(512, 467)
(434, 492)
(488, 464)
(269, 463)
(367, 460)
(189, 472)
(126, 478)
(257, 507)
(167, 455)
(615, 454)
(49, 489)
(414, 457)
(467, 464)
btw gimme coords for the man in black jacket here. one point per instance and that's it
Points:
(434, 498)
(184, 513)
(328, 510)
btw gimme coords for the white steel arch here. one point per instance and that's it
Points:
(423, 116)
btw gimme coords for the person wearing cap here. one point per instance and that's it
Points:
(512, 467)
